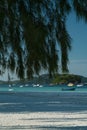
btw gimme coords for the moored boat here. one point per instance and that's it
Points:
(68, 89)
(80, 85)
(70, 84)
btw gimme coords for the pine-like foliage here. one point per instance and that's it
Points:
(32, 30)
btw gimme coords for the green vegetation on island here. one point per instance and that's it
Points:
(59, 79)
(45, 79)
(67, 78)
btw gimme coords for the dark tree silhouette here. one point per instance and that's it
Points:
(31, 31)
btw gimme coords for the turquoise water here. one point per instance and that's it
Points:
(43, 88)
(16, 99)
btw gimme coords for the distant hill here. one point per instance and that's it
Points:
(84, 79)
(57, 79)
(66, 78)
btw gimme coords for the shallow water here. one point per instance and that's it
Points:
(42, 88)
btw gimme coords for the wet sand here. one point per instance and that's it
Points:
(43, 111)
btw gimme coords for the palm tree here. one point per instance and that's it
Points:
(33, 31)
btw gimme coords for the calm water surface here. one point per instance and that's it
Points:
(42, 88)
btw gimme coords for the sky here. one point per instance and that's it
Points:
(78, 55)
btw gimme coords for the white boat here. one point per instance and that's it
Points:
(26, 85)
(21, 86)
(70, 84)
(10, 85)
(10, 89)
(40, 86)
(36, 85)
(79, 85)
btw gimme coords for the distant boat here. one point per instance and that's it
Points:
(70, 84)
(10, 89)
(36, 85)
(40, 86)
(10, 85)
(21, 86)
(79, 85)
(68, 89)
(26, 85)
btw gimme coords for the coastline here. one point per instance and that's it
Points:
(45, 110)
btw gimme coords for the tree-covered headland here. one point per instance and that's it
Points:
(67, 78)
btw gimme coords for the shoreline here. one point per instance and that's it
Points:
(43, 120)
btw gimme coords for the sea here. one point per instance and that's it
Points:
(39, 88)
(70, 107)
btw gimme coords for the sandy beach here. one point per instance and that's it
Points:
(43, 120)
(43, 111)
